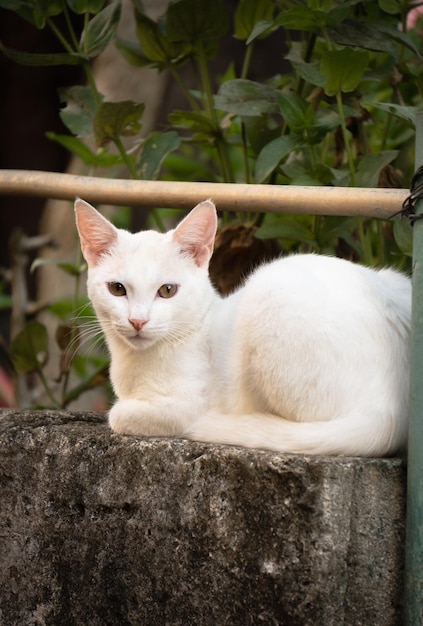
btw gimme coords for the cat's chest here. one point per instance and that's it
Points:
(163, 372)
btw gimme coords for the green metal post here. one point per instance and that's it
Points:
(414, 531)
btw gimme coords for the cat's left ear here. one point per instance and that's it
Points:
(96, 233)
(196, 233)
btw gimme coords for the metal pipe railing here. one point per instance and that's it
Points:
(414, 521)
(382, 203)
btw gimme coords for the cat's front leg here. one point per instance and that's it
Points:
(139, 417)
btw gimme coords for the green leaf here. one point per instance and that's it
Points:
(324, 122)
(29, 349)
(392, 7)
(322, 5)
(154, 151)
(310, 19)
(343, 69)
(66, 308)
(309, 72)
(246, 98)
(20, 7)
(294, 110)
(35, 11)
(399, 36)
(83, 152)
(69, 268)
(117, 119)
(371, 165)
(403, 112)
(403, 235)
(94, 379)
(261, 29)
(248, 13)
(196, 21)
(303, 120)
(5, 302)
(85, 6)
(44, 9)
(133, 53)
(39, 60)
(301, 18)
(67, 335)
(81, 106)
(272, 154)
(13, 5)
(154, 45)
(360, 35)
(260, 130)
(192, 120)
(73, 145)
(289, 227)
(100, 30)
(335, 226)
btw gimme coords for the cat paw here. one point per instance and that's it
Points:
(136, 417)
(127, 417)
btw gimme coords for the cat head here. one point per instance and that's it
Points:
(148, 287)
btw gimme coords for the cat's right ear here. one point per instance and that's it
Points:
(96, 233)
(196, 233)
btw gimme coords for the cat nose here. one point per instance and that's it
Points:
(137, 323)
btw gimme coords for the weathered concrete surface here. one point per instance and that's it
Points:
(98, 529)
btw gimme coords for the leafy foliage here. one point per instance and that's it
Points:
(343, 114)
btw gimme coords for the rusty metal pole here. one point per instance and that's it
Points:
(355, 201)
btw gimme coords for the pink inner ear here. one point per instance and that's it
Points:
(196, 233)
(97, 234)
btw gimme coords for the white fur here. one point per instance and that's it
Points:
(311, 355)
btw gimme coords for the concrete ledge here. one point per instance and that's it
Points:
(98, 529)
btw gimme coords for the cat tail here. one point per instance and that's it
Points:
(347, 436)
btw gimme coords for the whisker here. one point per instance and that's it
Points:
(91, 331)
(88, 333)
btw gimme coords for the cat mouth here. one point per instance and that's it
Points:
(138, 338)
(138, 341)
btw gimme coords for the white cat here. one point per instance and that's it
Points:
(311, 355)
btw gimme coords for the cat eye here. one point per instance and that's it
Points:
(167, 291)
(117, 289)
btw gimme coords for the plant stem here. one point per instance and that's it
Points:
(313, 155)
(60, 37)
(344, 129)
(85, 31)
(223, 157)
(381, 242)
(346, 138)
(193, 103)
(49, 394)
(92, 83)
(125, 157)
(245, 154)
(386, 131)
(221, 145)
(205, 81)
(365, 242)
(363, 236)
(317, 223)
(307, 58)
(247, 60)
(72, 323)
(70, 26)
